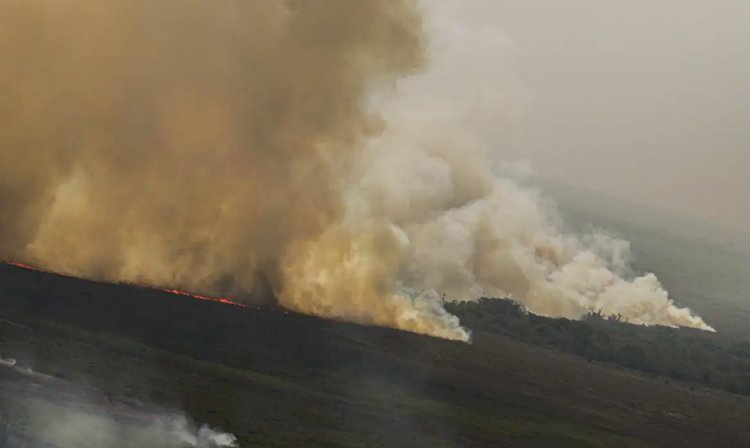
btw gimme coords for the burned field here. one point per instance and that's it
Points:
(279, 379)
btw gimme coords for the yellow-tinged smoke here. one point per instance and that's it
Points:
(220, 145)
(362, 265)
(202, 144)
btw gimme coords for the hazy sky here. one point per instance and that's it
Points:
(648, 100)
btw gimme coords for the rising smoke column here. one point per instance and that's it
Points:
(202, 144)
(220, 146)
(438, 175)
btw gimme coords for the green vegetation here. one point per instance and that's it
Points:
(278, 379)
(340, 405)
(687, 355)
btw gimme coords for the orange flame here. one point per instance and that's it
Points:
(223, 300)
(176, 292)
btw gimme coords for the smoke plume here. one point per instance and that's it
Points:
(223, 147)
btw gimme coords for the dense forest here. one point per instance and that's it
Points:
(693, 356)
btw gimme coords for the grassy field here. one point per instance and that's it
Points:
(278, 379)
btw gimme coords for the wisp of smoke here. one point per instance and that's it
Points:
(222, 146)
(55, 412)
(73, 426)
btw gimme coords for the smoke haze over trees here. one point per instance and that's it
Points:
(226, 148)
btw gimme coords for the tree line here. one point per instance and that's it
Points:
(688, 355)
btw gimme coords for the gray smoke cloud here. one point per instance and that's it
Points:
(70, 427)
(54, 412)
(221, 146)
(471, 228)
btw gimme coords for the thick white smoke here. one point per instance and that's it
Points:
(435, 177)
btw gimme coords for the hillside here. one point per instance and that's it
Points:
(280, 379)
